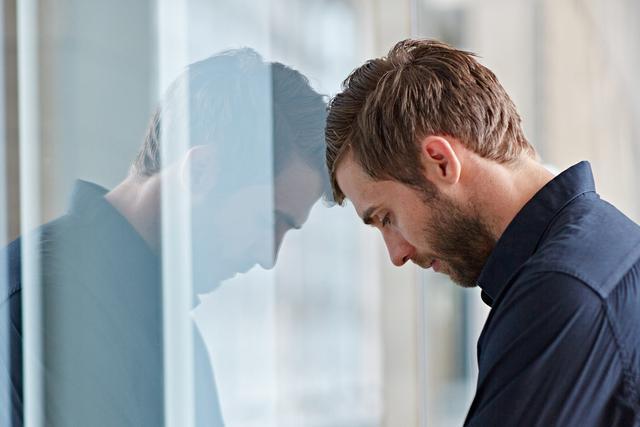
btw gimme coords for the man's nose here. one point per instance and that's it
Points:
(400, 251)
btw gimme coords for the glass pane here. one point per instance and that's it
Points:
(170, 151)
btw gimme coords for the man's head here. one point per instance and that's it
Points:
(402, 138)
(251, 137)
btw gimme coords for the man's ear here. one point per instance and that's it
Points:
(198, 170)
(439, 159)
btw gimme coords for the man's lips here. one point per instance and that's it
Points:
(434, 263)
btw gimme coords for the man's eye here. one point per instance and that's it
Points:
(386, 220)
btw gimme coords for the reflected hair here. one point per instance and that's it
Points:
(420, 88)
(246, 107)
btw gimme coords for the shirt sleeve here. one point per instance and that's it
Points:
(549, 357)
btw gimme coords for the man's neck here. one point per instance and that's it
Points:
(138, 200)
(503, 190)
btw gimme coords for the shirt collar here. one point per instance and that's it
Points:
(523, 235)
(109, 226)
(87, 197)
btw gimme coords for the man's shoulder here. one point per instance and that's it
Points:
(550, 332)
(591, 241)
(44, 241)
(538, 308)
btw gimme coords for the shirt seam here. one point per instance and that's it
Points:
(629, 376)
(560, 268)
(548, 268)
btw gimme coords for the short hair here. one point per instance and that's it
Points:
(239, 102)
(420, 88)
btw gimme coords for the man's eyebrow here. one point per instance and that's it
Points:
(366, 216)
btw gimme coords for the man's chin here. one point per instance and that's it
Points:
(462, 279)
(208, 278)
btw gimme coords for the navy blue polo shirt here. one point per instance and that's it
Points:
(561, 345)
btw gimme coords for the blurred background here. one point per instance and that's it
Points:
(334, 335)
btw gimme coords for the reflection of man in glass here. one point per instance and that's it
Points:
(429, 148)
(253, 168)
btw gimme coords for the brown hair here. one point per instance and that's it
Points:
(421, 88)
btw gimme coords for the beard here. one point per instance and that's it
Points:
(459, 237)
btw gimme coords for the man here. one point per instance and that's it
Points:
(253, 167)
(428, 147)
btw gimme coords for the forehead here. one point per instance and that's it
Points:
(363, 191)
(297, 188)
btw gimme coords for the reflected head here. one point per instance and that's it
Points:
(258, 115)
